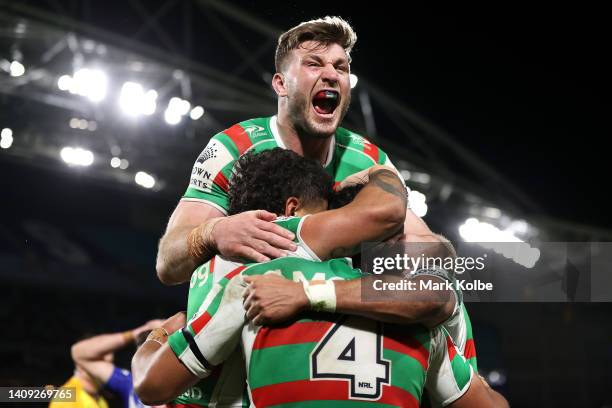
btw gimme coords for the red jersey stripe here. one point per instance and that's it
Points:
(239, 137)
(234, 272)
(452, 351)
(330, 390)
(470, 349)
(305, 332)
(212, 264)
(221, 181)
(371, 150)
(410, 346)
(199, 323)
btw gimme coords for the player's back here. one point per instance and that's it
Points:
(333, 360)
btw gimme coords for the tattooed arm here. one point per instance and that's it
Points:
(376, 213)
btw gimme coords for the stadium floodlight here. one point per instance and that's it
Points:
(64, 83)
(134, 101)
(6, 138)
(124, 164)
(353, 79)
(6, 142)
(115, 162)
(491, 237)
(177, 108)
(418, 203)
(77, 156)
(196, 113)
(145, 180)
(91, 83)
(6, 132)
(405, 174)
(16, 69)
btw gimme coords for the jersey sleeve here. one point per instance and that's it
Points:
(449, 374)
(211, 173)
(213, 333)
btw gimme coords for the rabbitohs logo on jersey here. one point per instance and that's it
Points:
(209, 153)
(357, 139)
(254, 130)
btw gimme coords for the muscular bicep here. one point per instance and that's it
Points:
(376, 213)
(165, 377)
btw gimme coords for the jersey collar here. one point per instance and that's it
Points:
(279, 141)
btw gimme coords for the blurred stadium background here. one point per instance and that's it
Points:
(104, 106)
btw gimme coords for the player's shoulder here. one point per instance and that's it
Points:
(242, 136)
(289, 223)
(348, 141)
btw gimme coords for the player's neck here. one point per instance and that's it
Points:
(315, 148)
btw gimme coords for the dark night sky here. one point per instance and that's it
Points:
(522, 86)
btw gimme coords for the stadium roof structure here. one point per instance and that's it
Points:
(208, 53)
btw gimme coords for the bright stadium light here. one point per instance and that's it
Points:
(115, 162)
(353, 80)
(145, 180)
(196, 113)
(134, 101)
(91, 83)
(491, 237)
(177, 108)
(64, 83)
(124, 164)
(16, 69)
(6, 132)
(6, 142)
(77, 156)
(418, 203)
(6, 138)
(171, 118)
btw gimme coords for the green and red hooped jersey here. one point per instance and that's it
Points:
(347, 360)
(226, 386)
(349, 154)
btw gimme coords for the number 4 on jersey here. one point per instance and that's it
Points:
(352, 350)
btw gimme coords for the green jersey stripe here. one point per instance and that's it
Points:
(406, 373)
(264, 367)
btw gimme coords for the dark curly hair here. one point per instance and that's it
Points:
(343, 197)
(265, 180)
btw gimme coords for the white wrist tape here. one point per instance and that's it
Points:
(322, 296)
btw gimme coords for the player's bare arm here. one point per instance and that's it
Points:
(92, 354)
(376, 213)
(480, 395)
(157, 374)
(248, 235)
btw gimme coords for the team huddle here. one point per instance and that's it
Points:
(274, 211)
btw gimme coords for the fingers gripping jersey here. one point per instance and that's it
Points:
(349, 153)
(320, 358)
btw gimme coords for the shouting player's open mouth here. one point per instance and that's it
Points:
(325, 102)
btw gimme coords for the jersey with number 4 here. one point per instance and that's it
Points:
(321, 360)
(349, 153)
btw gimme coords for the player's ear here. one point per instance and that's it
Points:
(291, 206)
(278, 83)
